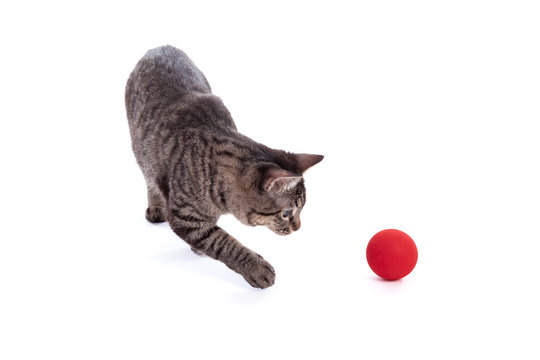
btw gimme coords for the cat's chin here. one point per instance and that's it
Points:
(282, 232)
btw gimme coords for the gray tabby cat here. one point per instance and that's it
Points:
(198, 166)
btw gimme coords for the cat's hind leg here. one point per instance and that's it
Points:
(155, 213)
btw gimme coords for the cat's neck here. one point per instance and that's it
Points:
(237, 159)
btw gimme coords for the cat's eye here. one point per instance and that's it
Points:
(287, 213)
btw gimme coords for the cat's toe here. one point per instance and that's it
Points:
(155, 214)
(261, 275)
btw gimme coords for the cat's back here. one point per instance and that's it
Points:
(163, 75)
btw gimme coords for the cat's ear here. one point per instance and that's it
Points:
(278, 180)
(305, 161)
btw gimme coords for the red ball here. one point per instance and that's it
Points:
(391, 254)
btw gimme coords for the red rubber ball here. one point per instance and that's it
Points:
(391, 254)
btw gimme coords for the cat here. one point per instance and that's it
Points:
(198, 167)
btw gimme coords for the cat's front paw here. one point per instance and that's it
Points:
(155, 214)
(260, 274)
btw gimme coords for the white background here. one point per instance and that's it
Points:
(427, 113)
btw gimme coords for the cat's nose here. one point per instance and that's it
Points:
(296, 223)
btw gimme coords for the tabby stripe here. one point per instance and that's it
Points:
(182, 202)
(227, 141)
(226, 153)
(217, 193)
(204, 141)
(265, 213)
(220, 244)
(244, 260)
(240, 251)
(197, 242)
(173, 151)
(177, 158)
(223, 199)
(230, 155)
(179, 170)
(170, 134)
(185, 218)
(196, 165)
(205, 159)
(220, 194)
(213, 187)
(163, 186)
(224, 248)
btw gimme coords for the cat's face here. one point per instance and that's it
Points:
(274, 194)
(280, 212)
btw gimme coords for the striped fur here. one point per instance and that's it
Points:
(198, 167)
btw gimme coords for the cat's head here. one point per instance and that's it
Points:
(277, 192)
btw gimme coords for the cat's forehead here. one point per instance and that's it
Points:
(296, 197)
